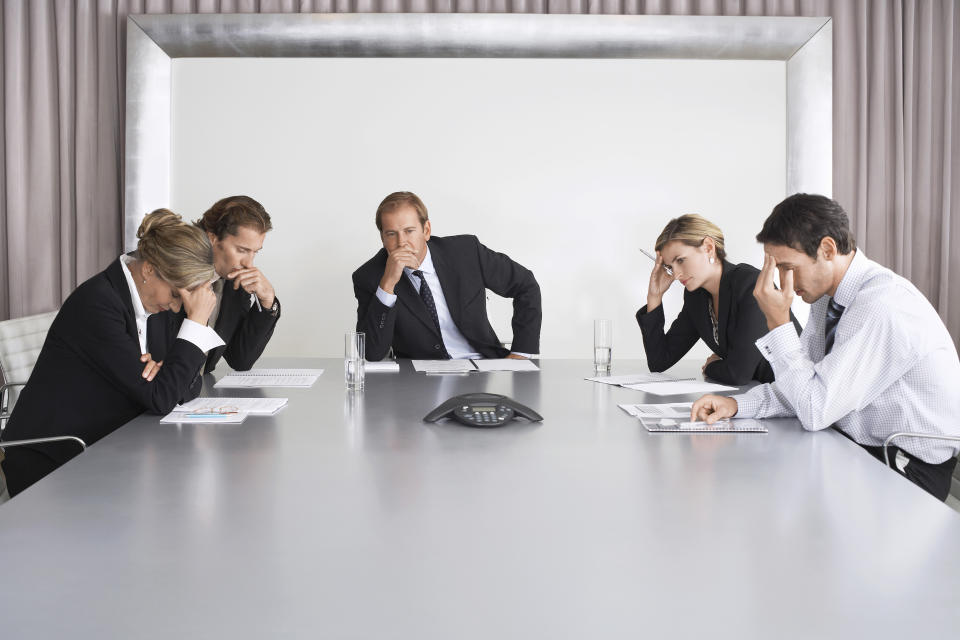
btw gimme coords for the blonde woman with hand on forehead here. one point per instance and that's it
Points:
(718, 305)
(99, 368)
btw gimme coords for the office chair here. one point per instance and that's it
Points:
(910, 434)
(4, 495)
(20, 342)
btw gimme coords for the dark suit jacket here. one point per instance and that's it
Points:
(466, 269)
(244, 327)
(87, 380)
(740, 324)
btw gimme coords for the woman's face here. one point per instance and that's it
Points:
(691, 265)
(157, 294)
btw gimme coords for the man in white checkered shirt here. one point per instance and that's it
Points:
(874, 358)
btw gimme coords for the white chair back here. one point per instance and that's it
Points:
(20, 342)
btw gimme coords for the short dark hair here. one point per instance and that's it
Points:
(229, 214)
(802, 220)
(399, 199)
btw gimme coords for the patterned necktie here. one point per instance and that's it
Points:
(834, 311)
(427, 296)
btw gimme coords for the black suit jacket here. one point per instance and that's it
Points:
(87, 380)
(466, 269)
(740, 324)
(242, 325)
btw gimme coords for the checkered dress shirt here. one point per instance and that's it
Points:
(893, 367)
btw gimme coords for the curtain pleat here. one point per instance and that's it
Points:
(896, 130)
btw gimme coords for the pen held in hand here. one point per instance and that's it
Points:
(665, 267)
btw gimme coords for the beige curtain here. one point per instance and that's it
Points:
(896, 155)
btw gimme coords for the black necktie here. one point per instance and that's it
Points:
(834, 311)
(427, 297)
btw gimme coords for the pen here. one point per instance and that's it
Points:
(665, 267)
(211, 415)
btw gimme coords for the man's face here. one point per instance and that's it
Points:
(402, 228)
(812, 278)
(236, 251)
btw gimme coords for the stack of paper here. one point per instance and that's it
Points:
(669, 425)
(386, 366)
(479, 364)
(679, 387)
(443, 366)
(675, 417)
(269, 378)
(227, 410)
(253, 406)
(673, 410)
(505, 364)
(633, 378)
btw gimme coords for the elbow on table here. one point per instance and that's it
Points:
(161, 404)
(376, 352)
(657, 366)
(815, 423)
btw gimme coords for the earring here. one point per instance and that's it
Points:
(144, 281)
(711, 259)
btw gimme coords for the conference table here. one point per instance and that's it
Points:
(347, 516)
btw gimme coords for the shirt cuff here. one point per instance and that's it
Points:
(203, 337)
(388, 299)
(779, 342)
(525, 355)
(747, 406)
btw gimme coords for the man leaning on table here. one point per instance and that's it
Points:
(425, 296)
(247, 309)
(874, 358)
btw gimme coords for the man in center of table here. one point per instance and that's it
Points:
(425, 296)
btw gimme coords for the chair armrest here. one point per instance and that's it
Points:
(909, 434)
(19, 443)
(3, 393)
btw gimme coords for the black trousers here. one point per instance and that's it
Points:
(935, 479)
(23, 466)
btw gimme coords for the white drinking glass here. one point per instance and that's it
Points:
(354, 353)
(602, 345)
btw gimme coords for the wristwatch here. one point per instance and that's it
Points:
(274, 309)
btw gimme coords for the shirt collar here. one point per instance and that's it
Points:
(426, 266)
(138, 309)
(852, 279)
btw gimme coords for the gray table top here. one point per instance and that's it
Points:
(345, 516)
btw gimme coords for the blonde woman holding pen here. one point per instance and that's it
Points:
(718, 305)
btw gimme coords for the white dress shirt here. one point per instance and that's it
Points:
(457, 346)
(893, 367)
(203, 337)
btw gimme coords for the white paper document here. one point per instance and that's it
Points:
(186, 417)
(676, 410)
(505, 364)
(443, 366)
(679, 387)
(252, 406)
(669, 425)
(269, 378)
(633, 378)
(386, 366)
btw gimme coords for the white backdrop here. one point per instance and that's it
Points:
(568, 166)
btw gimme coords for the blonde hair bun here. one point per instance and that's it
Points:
(157, 219)
(180, 252)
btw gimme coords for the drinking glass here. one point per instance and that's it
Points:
(602, 345)
(354, 352)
